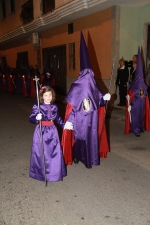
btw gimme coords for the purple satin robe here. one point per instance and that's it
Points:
(138, 102)
(137, 115)
(54, 162)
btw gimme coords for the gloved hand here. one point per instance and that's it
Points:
(68, 126)
(129, 108)
(39, 116)
(128, 97)
(107, 97)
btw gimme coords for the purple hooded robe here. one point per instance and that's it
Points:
(85, 122)
(137, 91)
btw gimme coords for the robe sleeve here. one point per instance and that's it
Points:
(58, 118)
(102, 135)
(33, 115)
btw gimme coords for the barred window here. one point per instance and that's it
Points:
(2, 9)
(12, 5)
(26, 15)
(47, 6)
(71, 56)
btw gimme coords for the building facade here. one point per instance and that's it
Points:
(31, 30)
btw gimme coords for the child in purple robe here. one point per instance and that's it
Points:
(51, 167)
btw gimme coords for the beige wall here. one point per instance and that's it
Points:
(12, 21)
(97, 30)
(59, 3)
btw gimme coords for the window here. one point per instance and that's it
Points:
(26, 15)
(47, 6)
(2, 9)
(71, 56)
(148, 45)
(70, 28)
(12, 5)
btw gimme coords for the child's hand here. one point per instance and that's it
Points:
(68, 126)
(39, 116)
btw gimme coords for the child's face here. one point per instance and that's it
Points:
(47, 97)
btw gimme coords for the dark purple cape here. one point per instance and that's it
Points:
(86, 143)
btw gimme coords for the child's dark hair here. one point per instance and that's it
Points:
(46, 89)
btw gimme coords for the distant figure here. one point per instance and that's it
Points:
(137, 107)
(121, 81)
(36, 71)
(18, 82)
(1, 78)
(47, 80)
(132, 73)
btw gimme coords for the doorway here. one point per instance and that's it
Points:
(57, 64)
(148, 45)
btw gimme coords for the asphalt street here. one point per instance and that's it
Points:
(115, 193)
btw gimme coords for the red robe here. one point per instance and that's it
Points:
(24, 91)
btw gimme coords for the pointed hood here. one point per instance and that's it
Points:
(84, 55)
(85, 86)
(138, 83)
(139, 67)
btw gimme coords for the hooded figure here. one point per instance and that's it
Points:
(7, 74)
(30, 83)
(1, 78)
(18, 82)
(137, 106)
(47, 76)
(85, 116)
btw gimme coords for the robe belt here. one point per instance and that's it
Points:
(47, 123)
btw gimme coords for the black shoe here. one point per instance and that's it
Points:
(75, 161)
(137, 135)
(88, 167)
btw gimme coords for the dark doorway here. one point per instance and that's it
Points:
(22, 60)
(57, 56)
(3, 61)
